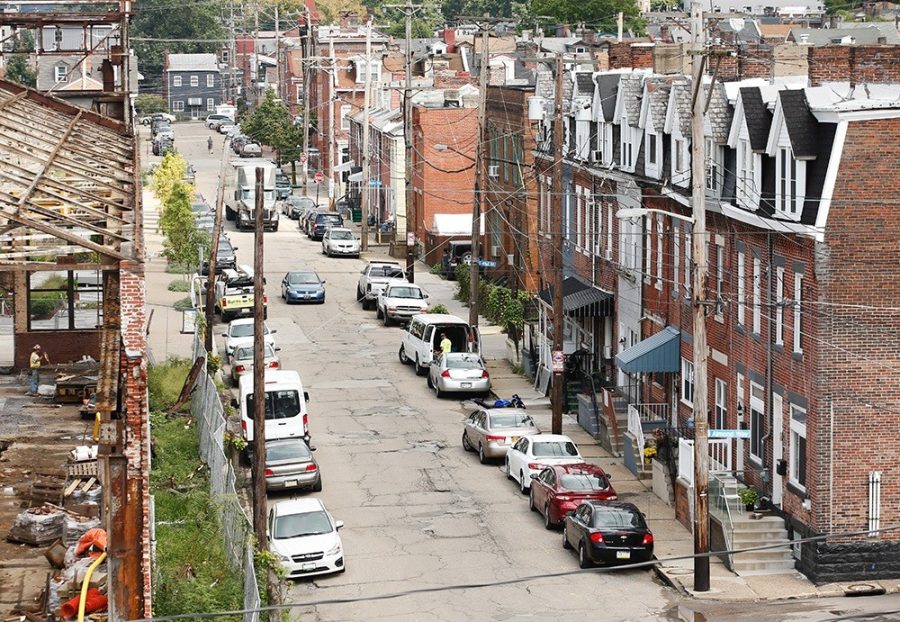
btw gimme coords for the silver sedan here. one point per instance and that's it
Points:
(242, 361)
(290, 464)
(493, 431)
(458, 372)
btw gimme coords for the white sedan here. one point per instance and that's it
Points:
(531, 454)
(304, 537)
(240, 333)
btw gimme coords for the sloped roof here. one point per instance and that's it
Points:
(630, 89)
(608, 87)
(658, 92)
(681, 92)
(719, 115)
(860, 34)
(801, 124)
(756, 116)
(192, 62)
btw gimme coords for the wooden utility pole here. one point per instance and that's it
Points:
(483, 74)
(364, 195)
(214, 250)
(699, 303)
(557, 390)
(278, 91)
(412, 223)
(307, 52)
(332, 152)
(259, 370)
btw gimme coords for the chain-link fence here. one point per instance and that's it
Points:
(209, 415)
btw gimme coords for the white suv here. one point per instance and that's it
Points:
(399, 301)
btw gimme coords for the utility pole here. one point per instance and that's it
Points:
(364, 198)
(483, 74)
(259, 371)
(698, 300)
(307, 52)
(412, 223)
(556, 288)
(331, 121)
(277, 53)
(214, 249)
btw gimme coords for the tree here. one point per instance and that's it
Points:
(148, 104)
(598, 14)
(18, 70)
(183, 243)
(271, 123)
(167, 175)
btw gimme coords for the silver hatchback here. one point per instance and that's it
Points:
(491, 432)
(290, 464)
(458, 372)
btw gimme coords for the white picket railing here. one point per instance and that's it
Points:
(635, 429)
(720, 458)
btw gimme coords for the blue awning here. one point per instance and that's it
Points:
(659, 353)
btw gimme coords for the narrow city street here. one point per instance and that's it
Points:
(419, 512)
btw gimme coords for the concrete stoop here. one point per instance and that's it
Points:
(749, 532)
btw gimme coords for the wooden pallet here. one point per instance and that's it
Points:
(81, 469)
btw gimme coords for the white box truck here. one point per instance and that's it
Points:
(240, 204)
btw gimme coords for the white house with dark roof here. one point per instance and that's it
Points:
(193, 84)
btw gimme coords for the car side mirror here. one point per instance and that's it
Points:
(608, 476)
(338, 524)
(277, 349)
(533, 476)
(234, 248)
(273, 331)
(305, 396)
(323, 281)
(425, 296)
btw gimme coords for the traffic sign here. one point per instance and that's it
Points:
(729, 434)
(410, 238)
(375, 183)
(487, 263)
(559, 361)
(318, 178)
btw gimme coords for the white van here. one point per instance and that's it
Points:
(285, 407)
(423, 337)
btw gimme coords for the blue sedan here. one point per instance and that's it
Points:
(302, 286)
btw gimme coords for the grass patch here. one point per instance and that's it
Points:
(165, 381)
(179, 285)
(174, 268)
(184, 304)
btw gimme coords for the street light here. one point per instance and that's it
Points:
(443, 147)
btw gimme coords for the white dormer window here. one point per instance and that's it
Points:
(582, 140)
(791, 184)
(60, 73)
(604, 151)
(748, 175)
(653, 156)
(630, 138)
(713, 167)
(681, 161)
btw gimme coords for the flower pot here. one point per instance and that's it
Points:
(749, 506)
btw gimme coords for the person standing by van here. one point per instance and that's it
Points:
(446, 344)
(34, 362)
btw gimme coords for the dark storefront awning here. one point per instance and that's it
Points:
(581, 299)
(659, 353)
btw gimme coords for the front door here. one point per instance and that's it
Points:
(777, 447)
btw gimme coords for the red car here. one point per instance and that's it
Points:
(560, 489)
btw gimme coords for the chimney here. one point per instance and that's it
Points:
(449, 37)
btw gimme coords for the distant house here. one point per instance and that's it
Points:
(193, 84)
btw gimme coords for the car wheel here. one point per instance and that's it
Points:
(402, 356)
(359, 294)
(583, 560)
(481, 457)
(548, 524)
(566, 544)
(387, 321)
(465, 442)
(531, 505)
(429, 382)
(317, 487)
(522, 487)
(508, 474)
(437, 392)
(367, 304)
(378, 314)
(420, 370)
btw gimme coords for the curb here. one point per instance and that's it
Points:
(669, 581)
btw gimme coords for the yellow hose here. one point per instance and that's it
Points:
(84, 585)
(96, 434)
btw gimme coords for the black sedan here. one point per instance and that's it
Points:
(605, 532)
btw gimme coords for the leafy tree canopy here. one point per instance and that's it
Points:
(183, 242)
(148, 104)
(597, 14)
(271, 123)
(167, 175)
(18, 70)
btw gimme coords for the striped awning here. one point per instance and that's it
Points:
(581, 299)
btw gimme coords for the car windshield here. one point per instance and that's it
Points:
(463, 362)
(584, 481)
(243, 330)
(224, 250)
(393, 272)
(329, 219)
(341, 235)
(246, 353)
(288, 451)
(302, 278)
(618, 518)
(555, 449)
(406, 292)
(511, 421)
(299, 525)
(279, 404)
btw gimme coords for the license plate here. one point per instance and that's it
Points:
(290, 483)
(466, 385)
(308, 566)
(623, 554)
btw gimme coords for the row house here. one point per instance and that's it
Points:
(386, 181)
(193, 84)
(802, 327)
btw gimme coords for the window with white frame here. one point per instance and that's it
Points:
(345, 116)
(588, 220)
(210, 80)
(720, 282)
(790, 184)
(627, 150)
(659, 252)
(178, 106)
(604, 142)
(60, 73)
(741, 289)
(676, 259)
(195, 80)
(648, 247)
(609, 231)
(798, 313)
(739, 399)
(598, 224)
(579, 218)
(757, 296)
(779, 306)
(797, 472)
(747, 187)
(176, 80)
(681, 173)
(653, 144)
(757, 422)
(713, 166)
(688, 257)
(721, 414)
(687, 382)
(210, 104)
(567, 214)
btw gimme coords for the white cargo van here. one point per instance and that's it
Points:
(285, 407)
(422, 338)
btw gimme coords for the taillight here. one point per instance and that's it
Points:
(597, 538)
(274, 364)
(305, 423)
(311, 467)
(648, 539)
(269, 473)
(534, 466)
(265, 299)
(445, 373)
(485, 374)
(495, 438)
(239, 368)
(244, 427)
(224, 302)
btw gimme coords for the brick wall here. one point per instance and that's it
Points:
(627, 54)
(854, 63)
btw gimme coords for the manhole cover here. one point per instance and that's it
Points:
(863, 589)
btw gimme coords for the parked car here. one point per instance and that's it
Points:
(282, 185)
(492, 432)
(323, 221)
(242, 360)
(240, 334)
(302, 286)
(340, 241)
(224, 128)
(422, 338)
(251, 150)
(213, 121)
(457, 252)
(293, 206)
(285, 408)
(235, 293)
(225, 257)
(304, 222)
(373, 278)
(399, 301)
(458, 372)
(559, 489)
(201, 208)
(304, 537)
(531, 454)
(290, 464)
(606, 532)
(237, 143)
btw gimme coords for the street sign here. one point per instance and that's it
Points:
(318, 178)
(487, 263)
(375, 183)
(410, 238)
(729, 434)
(559, 362)
(303, 158)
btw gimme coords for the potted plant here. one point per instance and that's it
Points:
(749, 497)
(649, 452)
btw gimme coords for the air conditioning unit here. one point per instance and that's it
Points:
(596, 155)
(494, 171)
(495, 250)
(608, 254)
(607, 352)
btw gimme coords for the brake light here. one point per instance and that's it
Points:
(305, 423)
(534, 466)
(244, 427)
(495, 438)
(485, 374)
(274, 364)
(239, 368)
(648, 539)
(265, 299)
(269, 473)
(597, 538)
(224, 302)
(311, 467)
(445, 373)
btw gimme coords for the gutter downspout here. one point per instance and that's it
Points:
(770, 320)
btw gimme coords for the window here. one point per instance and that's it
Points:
(741, 289)
(721, 421)
(210, 104)
(779, 306)
(651, 148)
(747, 188)
(790, 185)
(757, 421)
(226, 55)
(798, 313)
(345, 117)
(713, 166)
(210, 80)
(627, 145)
(688, 250)
(687, 382)
(720, 282)
(797, 474)
(588, 217)
(579, 221)
(178, 106)
(757, 301)
(648, 247)
(676, 260)
(659, 252)
(65, 300)
(195, 80)
(60, 73)
(678, 148)
(609, 231)
(739, 401)
(681, 173)
(176, 80)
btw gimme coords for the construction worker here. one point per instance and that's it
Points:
(37, 357)
(446, 344)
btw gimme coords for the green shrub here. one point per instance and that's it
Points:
(462, 281)
(184, 304)
(438, 308)
(437, 268)
(179, 285)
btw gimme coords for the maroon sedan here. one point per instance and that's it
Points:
(560, 489)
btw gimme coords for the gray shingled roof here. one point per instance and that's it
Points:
(192, 62)
(682, 91)
(719, 114)
(801, 124)
(609, 88)
(658, 90)
(631, 89)
(585, 82)
(756, 116)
